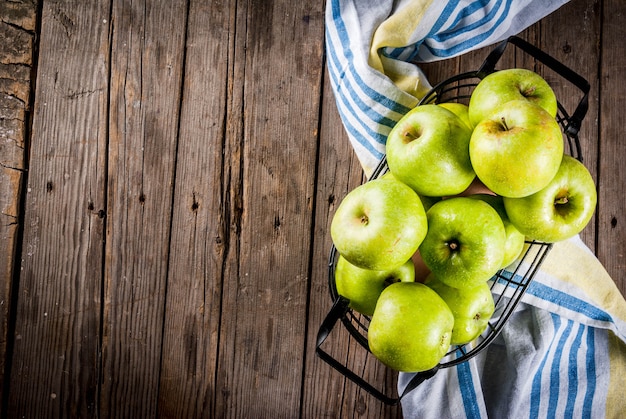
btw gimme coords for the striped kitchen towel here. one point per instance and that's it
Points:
(563, 352)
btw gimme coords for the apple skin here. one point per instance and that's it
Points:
(363, 286)
(464, 245)
(411, 327)
(517, 150)
(459, 109)
(379, 225)
(427, 201)
(428, 150)
(472, 308)
(515, 240)
(510, 84)
(560, 210)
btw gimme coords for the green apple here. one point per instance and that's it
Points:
(363, 286)
(514, 238)
(427, 201)
(459, 109)
(428, 150)
(517, 150)
(411, 327)
(472, 308)
(560, 210)
(506, 85)
(464, 245)
(379, 225)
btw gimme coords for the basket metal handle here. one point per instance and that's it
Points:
(338, 311)
(575, 120)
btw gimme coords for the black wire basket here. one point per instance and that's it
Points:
(508, 286)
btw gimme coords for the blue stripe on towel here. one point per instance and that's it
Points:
(572, 376)
(555, 370)
(469, 43)
(376, 96)
(567, 301)
(463, 14)
(591, 373)
(468, 390)
(535, 401)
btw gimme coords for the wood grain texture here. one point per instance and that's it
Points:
(572, 36)
(147, 51)
(611, 224)
(17, 31)
(200, 231)
(262, 333)
(56, 348)
(184, 163)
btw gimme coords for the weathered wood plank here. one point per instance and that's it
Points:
(17, 28)
(572, 35)
(611, 246)
(263, 326)
(327, 394)
(147, 49)
(233, 204)
(200, 231)
(56, 350)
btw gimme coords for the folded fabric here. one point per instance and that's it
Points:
(563, 352)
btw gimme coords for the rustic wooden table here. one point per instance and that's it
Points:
(168, 171)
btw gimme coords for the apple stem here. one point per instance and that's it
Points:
(561, 200)
(506, 127)
(528, 91)
(453, 245)
(411, 136)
